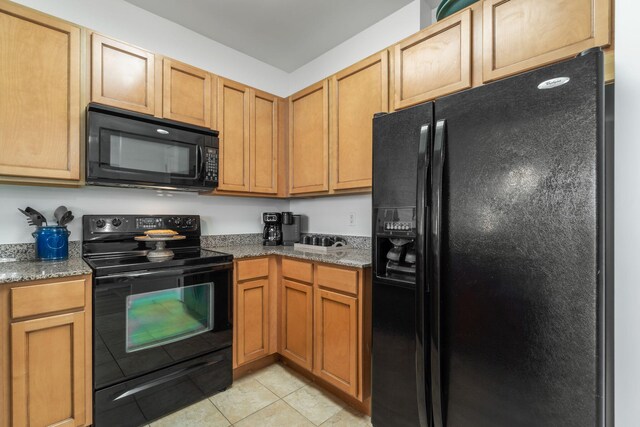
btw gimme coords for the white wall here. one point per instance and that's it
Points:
(384, 33)
(124, 21)
(627, 215)
(330, 215)
(219, 215)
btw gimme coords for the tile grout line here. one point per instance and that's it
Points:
(253, 413)
(303, 415)
(272, 391)
(219, 410)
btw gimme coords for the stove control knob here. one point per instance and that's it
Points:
(116, 222)
(189, 222)
(177, 221)
(101, 223)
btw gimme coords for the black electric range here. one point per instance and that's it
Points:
(162, 326)
(103, 265)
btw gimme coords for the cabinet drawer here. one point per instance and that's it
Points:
(339, 279)
(298, 270)
(253, 268)
(47, 298)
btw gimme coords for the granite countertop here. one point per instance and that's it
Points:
(23, 271)
(359, 258)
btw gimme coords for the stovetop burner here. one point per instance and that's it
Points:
(109, 246)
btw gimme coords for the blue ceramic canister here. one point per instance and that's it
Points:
(52, 242)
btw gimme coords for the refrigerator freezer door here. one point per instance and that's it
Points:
(396, 138)
(522, 241)
(395, 386)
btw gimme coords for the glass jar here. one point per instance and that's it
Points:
(52, 242)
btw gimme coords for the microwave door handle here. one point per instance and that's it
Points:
(199, 162)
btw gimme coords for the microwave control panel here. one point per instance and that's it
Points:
(211, 165)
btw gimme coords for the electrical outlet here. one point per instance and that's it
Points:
(351, 219)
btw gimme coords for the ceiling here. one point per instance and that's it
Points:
(284, 33)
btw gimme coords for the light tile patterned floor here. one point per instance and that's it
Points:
(272, 397)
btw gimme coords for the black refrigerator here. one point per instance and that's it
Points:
(489, 215)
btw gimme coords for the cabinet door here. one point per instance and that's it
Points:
(296, 340)
(523, 34)
(336, 340)
(233, 124)
(186, 94)
(263, 157)
(122, 75)
(48, 371)
(309, 140)
(434, 62)
(39, 95)
(253, 320)
(357, 93)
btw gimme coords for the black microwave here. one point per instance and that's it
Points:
(128, 149)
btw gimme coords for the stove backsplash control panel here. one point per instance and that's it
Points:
(99, 224)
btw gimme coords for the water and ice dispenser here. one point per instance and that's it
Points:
(395, 243)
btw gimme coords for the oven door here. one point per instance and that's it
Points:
(131, 151)
(149, 320)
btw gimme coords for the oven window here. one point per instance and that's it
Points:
(136, 152)
(160, 317)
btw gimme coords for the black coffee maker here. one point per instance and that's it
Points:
(272, 232)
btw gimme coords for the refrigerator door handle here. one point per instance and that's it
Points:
(422, 286)
(434, 268)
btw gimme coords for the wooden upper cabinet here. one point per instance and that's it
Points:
(263, 157)
(186, 93)
(357, 93)
(39, 95)
(309, 140)
(524, 34)
(233, 124)
(122, 75)
(434, 62)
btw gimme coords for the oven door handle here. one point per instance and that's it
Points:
(166, 273)
(168, 377)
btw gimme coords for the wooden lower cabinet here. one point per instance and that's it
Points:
(336, 340)
(253, 320)
(323, 321)
(296, 331)
(48, 371)
(255, 310)
(46, 363)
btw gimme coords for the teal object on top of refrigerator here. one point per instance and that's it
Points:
(449, 7)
